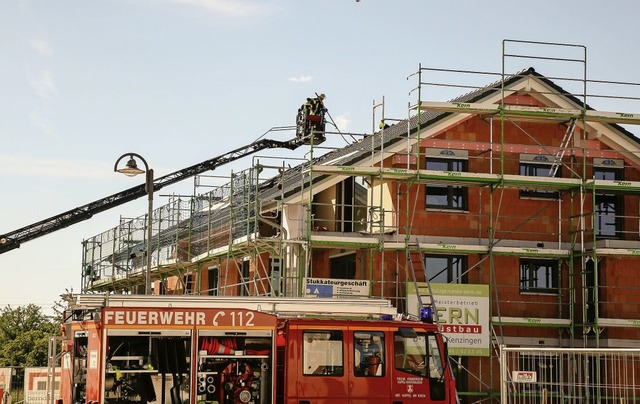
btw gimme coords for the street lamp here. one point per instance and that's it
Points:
(131, 169)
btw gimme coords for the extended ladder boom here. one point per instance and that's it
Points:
(15, 238)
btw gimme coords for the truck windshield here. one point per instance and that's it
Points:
(418, 355)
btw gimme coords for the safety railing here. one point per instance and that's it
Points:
(569, 375)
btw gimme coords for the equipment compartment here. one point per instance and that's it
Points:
(234, 369)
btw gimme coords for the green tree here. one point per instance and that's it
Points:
(24, 336)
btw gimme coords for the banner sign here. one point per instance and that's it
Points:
(35, 385)
(462, 312)
(327, 287)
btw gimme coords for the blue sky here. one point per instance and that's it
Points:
(182, 81)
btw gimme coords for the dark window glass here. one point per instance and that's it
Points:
(243, 281)
(420, 355)
(446, 196)
(213, 281)
(368, 353)
(540, 276)
(343, 267)
(534, 169)
(609, 206)
(446, 268)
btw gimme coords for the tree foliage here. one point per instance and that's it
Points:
(24, 336)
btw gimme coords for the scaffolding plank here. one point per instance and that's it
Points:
(438, 248)
(508, 110)
(344, 241)
(615, 185)
(455, 177)
(513, 251)
(512, 181)
(448, 177)
(463, 107)
(532, 321)
(458, 177)
(346, 170)
(533, 182)
(618, 322)
(618, 252)
(453, 248)
(541, 112)
(531, 252)
(530, 112)
(612, 117)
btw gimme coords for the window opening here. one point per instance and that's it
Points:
(351, 205)
(343, 267)
(243, 284)
(609, 211)
(442, 196)
(538, 166)
(539, 276)
(322, 353)
(420, 355)
(411, 354)
(214, 279)
(446, 268)
(368, 353)
(276, 274)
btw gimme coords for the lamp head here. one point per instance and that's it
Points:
(131, 168)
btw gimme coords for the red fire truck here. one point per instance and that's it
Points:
(223, 350)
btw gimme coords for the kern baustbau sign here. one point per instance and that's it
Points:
(462, 313)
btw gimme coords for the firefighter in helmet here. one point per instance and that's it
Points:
(315, 106)
(311, 117)
(318, 105)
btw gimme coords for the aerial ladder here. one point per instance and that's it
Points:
(14, 239)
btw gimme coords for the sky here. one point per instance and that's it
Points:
(182, 81)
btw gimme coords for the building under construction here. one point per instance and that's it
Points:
(512, 210)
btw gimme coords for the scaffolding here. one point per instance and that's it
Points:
(578, 241)
(370, 211)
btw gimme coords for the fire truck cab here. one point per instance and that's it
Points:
(192, 349)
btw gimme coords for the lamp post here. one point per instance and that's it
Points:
(131, 169)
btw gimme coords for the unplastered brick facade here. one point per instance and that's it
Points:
(517, 186)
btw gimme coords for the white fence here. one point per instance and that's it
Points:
(569, 375)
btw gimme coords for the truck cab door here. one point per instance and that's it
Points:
(368, 365)
(419, 372)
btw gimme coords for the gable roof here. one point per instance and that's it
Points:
(359, 152)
